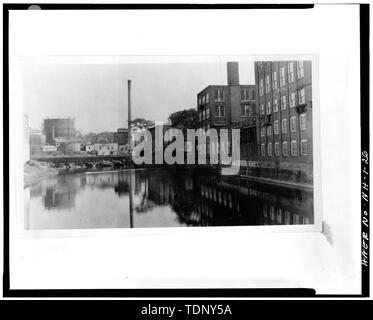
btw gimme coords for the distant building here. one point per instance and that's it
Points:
(63, 128)
(123, 149)
(121, 136)
(37, 141)
(68, 146)
(49, 149)
(106, 149)
(284, 102)
(90, 148)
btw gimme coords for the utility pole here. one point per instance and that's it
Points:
(131, 173)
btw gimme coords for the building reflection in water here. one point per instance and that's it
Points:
(115, 199)
(210, 201)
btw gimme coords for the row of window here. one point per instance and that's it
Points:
(290, 77)
(284, 102)
(284, 126)
(220, 112)
(205, 114)
(266, 150)
(218, 97)
(246, 95)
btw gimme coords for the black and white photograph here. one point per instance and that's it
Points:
(185, 150)
(152, 144)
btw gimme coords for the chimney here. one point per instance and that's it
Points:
(232, 72)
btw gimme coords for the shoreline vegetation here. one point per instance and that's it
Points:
(34, 170)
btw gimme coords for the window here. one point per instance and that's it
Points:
(203, 99)
(262, 109)
(269, 107)
(275, 127)
(245, 111)
(302, 120)
(269, 130)
(300, 69)
(293, 124)
(203, 115)
(199, 101)
(285, 148)
(252, 94)
(275, 105)
(200, 116)
(277, 148)
(294, 148)
(291, 72)
(262, 131)
(268, 87)
(207, 98)
(261, 87)
(219, 95)
(263, 149)
(219, 111)
(245, 95)
(274, 80)
(303, 147)
(283, 102)
(302, 96)
(292, 100)
(207, 113)
(269, 149)
(284, 126)
(282, 76)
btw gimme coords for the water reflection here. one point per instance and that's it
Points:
(161, 198)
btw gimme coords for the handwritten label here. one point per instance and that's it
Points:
(365, 208)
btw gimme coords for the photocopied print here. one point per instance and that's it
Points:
(180, 151)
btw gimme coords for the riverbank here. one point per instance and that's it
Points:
(34, 170)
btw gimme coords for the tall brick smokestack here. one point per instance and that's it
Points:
(233, 74)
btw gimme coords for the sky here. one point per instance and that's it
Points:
(96, 94)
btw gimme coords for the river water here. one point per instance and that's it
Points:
(160, 198)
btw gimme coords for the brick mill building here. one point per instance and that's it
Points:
(59, 127)
(284, 126)
(230, 106)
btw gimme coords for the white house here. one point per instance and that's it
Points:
(90, 148)
(48, 148)
(106, 149)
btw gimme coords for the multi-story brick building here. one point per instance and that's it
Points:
(230, 106)
(284, 126)
(121, 136)
(59, 128)
(221, 105)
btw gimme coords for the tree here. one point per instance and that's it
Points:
(185, 119)
(142, 123)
